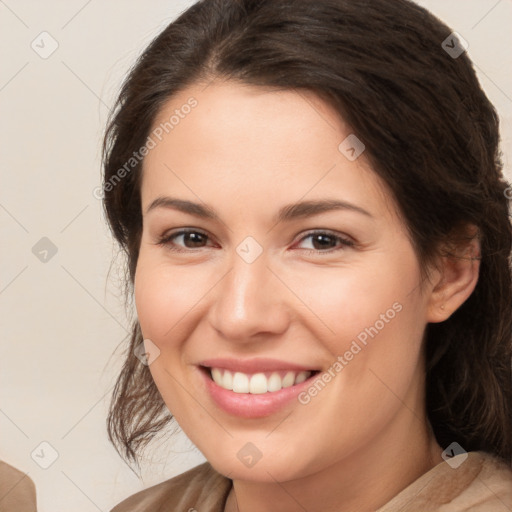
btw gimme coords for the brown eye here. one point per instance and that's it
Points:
(326, 242)
(184, 239)
(193, 239)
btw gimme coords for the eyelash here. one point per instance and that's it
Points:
(345, 242)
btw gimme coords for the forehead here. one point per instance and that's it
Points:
(236, 140)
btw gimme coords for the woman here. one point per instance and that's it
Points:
(311, 201)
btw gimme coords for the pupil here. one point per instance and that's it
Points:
(194, 238)
(323, 238)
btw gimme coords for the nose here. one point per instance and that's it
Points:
(249, 302)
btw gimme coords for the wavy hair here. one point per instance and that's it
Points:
(430, 133)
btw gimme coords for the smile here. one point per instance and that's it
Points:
(256, 388)
(257, 383)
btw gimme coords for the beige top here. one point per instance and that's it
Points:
(482, 483)
(17, 491)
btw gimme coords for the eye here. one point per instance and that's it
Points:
(326, 242)
(188, 239)
(191, 239)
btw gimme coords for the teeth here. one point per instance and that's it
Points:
(274, 382)
(301, 377)
(257, 383)
(227, 380)
(240, 383)
(288, 380)
(217, 376)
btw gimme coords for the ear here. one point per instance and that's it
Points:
(455, 278)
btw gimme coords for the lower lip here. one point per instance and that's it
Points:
(247, 405)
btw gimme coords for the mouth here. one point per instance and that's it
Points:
(257, 383)
(255, 388)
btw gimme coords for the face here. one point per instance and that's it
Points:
(295, 283)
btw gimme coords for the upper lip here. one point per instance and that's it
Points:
(253, 365)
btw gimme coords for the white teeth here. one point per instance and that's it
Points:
(217, 376)
(288, 380)
(274, 382)
(227, 381)
(301, 377)
(240, 383)
(257, 383)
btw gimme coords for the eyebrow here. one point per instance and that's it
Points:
(286, 213)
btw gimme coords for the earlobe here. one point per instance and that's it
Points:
(456, 280)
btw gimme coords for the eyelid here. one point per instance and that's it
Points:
(345, 240)
(166, 238)
(330, 232)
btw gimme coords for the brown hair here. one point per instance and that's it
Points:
(430, 133)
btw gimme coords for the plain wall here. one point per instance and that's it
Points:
(62, 319)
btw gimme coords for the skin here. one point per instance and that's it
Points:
(247, 151)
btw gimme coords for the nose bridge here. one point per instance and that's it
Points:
(249, 299)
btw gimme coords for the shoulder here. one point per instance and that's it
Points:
(200, 488)
(17, 490)
(472, 482)
(491, 490)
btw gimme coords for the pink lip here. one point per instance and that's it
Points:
(247, 405)
(253, 365)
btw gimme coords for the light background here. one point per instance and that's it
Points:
(62, 320)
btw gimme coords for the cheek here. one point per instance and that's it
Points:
(164, 297)
(152, 301)
(164, 300)
(370, 319)
(347, 303)
(374, 336)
